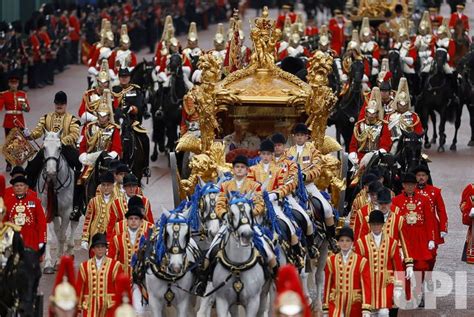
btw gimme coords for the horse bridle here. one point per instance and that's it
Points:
(212, 191)
(243, 218)
(58, 166)
(175, 247)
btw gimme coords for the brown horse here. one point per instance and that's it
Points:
(461, 40)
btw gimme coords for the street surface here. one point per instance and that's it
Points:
(451, 171)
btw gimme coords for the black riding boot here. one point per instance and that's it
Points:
(297, 256)
(77, 201)
(330, 236)
(313, 251)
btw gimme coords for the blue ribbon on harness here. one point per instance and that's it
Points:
(301, 190)
(275, 227)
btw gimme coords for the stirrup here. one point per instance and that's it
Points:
(75, 214)
(146, 172)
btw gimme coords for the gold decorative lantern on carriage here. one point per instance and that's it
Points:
(267, 99)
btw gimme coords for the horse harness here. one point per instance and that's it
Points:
(60, 184)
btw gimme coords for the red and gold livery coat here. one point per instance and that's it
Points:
(247, 186)
(438, 208)
(97, 217)
(308, 160)
(95, 287)
(347, 288)
(274, 178)
(467, 203)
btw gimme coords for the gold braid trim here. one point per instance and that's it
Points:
(362, 137)
(406, 126)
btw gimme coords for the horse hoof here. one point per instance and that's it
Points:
(441, 149)
(453, 147)
(471, 143)
(427, 145)
(48, 270)
(154, 157)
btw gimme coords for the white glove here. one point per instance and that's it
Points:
(431, 245)
(366, 314)
(397, 292)
(443, 234)
(471, 213)
(40, 245)
(92, 71)
(409, 273)
(353, 157)
(162, 77)
(196, 78)
(26, 132)
(85, 245)
(272, 196)
(325, 314)
(89, 158)
(113, 154)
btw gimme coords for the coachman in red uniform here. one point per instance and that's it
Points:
(26, 212)
(467, 211)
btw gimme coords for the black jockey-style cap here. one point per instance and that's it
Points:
(368, 178)
(99, 239)
(267, 146)
(376, 216)
(18, 179)
(421, 168)
(384, 196)
(278, 138)
(300, 128)
(242, 159)
(374, 187)
(18, 170)
(409, 178)
(134, 211)
(124, 72)
(135, 201)
(122, 168)
(130, 179)
(107, 177)
(346, 232)
(60, 98)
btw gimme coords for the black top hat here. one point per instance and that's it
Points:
(409, 178)
(346, 232)
(267, 146)
(376, 216)
(135, 201)
(99, 239)
(18, 179)
(374, 187)
(60, 98)
(421, 168)
(18, 170)
(368, 178)
(134, 211)
(130, 179)
(107, 177)
(385, 85)
(113, 165)
(278, 138)
(384, 196)
(122, 168)
(300, 128)
(123, 72)
(241, 159)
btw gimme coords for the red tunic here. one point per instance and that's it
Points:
(112, 59)
(467, 203)
(95, 288)
(384, 262)
(13, 102)
(438, 208)
(88, 132)
(418, 228)
(88, 97)
(27, 213)
(384, 142)
(122, 249)
(44, 37)
(117, 211)
(347, 286)
(35, 47)
(280, 23)
(337, 36)
(311, 30)
(454, 19)
(75, 28)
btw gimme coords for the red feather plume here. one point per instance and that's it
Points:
(289, 280)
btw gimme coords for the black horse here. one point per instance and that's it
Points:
(408, 153)
(348, 107)
(142, 76)
(19, 282)
(439, 95)
(166, 108)
(466, 88)
(387, 164)
(395, 66)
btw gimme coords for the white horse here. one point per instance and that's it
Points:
(238, 263)
(57, 179)
(170, 278)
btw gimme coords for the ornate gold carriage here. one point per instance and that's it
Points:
(268, 99)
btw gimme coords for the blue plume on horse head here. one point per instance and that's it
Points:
(301, 189)
(237, 197)
(271, 214)
(193, 216)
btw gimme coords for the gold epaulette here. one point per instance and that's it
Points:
(137, 127)
(136, 86)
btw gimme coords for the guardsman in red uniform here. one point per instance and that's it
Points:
(286, 10)
(10, 190)
(437, 206)
(63, 301)
(419, 226)
(336, 28)
(26, 212)
(95, 283)
(467, 213)
(290, 299)
(445, 42)
(347, 289)
(97, 214)
(162, 47)
(102, 51)
(125, 244)
(120, 205)
(362, 215)
(383, 256)
(294, 47)
(74, 35)
(371, 51)
(48, 62)
(35, 58)
(435, 18)
(408, 54)
(15, 103)
(370, 134)
(122, 57)
(91, 97)
(459, 15)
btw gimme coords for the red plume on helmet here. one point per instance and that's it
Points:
(288, 283)
(2, 185)
(65, 274)
(388, 76)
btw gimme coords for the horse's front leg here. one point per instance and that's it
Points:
(442, 135)
(252, 307)
(457, 125)
(182, 307)
(470, 108)
(206, 303)
(70, 240)
(222, 307)
(48, 261)
(434, 120)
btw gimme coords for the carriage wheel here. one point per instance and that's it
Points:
(174, 178)
(344, 158)
(185, 172)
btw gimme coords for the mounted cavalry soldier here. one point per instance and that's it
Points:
(351, 58)
(459, 15)
(122, 57)
(68, 126)
(446, 43)
(370, 49)
(408, 55)
(220, 44)
(128, 97)
(91, 98)
(425, 44)
(371, 133)
(102, 51)
(192, 52)
(403, 119)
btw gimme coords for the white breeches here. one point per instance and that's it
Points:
(314, 191)
(137, 300)
(294, 205)
(384, 312)
(279, 213)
